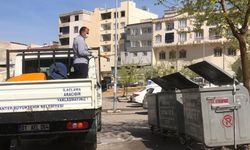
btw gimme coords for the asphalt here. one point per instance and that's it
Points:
(127, 130)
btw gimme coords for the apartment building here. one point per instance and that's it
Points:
(4, 45)
(102, 29)
(69, 25)
(138, 47)
(176, 44)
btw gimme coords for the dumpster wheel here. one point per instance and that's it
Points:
(182, 140)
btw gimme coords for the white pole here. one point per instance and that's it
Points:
(116, 47)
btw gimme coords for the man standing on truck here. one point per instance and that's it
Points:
(81, 54)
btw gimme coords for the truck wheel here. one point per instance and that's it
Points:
(90, 146)
(99, 122)
(4, 144)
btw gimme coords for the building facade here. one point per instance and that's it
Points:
(138, 47)
(69, 25)
(7, 45)
(102, 30)
(176, 44)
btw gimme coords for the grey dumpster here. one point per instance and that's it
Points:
(171, 116)
(166, 107)
(217, 116)
(153, 110)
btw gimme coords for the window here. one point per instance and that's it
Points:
(116, 14)
(231, 51)
(144, 44)
(149, 43)
(183, 54)
(169, 26)
(214, 34)
(64, 30)
(146, 30)
(183, 37)
(135, 54)
(64, 41)
(145, 53)
(126, 54)
(106, 37)
(106, 16)
(122, 25)
(128, 44)
(76, 29)
(65, 19)
(121, 47)
(217, 52)
(76, 17)
(122, 35)
(117, 25)
(183, 23)
(162, 55)
(122, 13)
(135, 44)
(115, 36)
(128, 31)
(199, 35)
(135, 32)
(158, 26)
(106, 48)
(169, 37)
(172, 54)
(105, 27)
(158, 39)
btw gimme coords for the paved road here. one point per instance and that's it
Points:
(127, 130)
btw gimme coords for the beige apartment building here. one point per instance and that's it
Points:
(4, 45)
(102, 29)
(176, 44)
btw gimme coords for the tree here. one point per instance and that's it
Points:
(127, 75)
(226, 14)
(157, 70)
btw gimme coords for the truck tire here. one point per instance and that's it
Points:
(99, 122)
(4, 144)
(90, 146)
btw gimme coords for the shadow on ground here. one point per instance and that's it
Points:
(139, 131)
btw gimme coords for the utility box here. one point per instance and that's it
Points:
(217, 116)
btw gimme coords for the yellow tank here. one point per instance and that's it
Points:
(28, 77)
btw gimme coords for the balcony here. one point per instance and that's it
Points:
(65, 19)
(106, 27)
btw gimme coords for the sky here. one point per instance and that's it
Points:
(36, 21)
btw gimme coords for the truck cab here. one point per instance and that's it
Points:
(63, 107)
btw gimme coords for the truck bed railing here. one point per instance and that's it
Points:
(40, 52)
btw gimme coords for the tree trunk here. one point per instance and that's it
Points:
(244, 62)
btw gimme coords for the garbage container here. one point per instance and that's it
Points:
(153, 105)
(217, 116)
(171, 116)
(168, 105)
(153, 114)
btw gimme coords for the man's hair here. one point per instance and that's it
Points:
(82, 29)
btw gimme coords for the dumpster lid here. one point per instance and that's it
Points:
(212, 73)
(159, 81)
(179, 81)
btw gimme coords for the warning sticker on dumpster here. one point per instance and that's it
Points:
(227, 121)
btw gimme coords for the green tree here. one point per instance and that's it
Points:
(226, 14)
(157, 70)
(127, 75)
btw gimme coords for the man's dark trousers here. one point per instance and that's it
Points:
(81, 70)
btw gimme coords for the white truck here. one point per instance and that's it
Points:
(65, 108)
